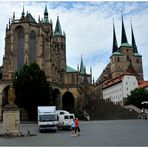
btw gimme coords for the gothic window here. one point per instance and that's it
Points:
(137, 60)
(128, 58)
(20, 47)
(118, 59)
(32, 49)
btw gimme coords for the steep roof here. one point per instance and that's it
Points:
(130, 69)
(46, 21)
(123, 36)
(133, 41)
(70, 69)
(143, 84)
(116, 80)
(30, 18)
(115, 45)
(106, 74)
(58, 30)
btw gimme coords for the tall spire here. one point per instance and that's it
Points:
(123, 36)
(58, 30)
(82, 68)
(115, 45)
(133, 40)
(23, 13)
(46, 15)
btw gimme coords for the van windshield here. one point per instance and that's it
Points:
(48, 118)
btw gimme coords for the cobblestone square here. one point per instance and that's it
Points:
(93, 133)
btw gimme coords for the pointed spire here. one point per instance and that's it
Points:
(115, 45)
(90, 70)
(39, 19)
(93, 80)
(78, 67)
(46, 15)
(23, 13)
(58, 30)
(123, 36)
(45, 11)
(6, 26)
(9, 22)
(82, 67)
(13, 16)
(133, 40)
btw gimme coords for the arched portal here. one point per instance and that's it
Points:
(56, 99)
(68, 102)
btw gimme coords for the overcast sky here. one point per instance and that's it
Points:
(88, 27)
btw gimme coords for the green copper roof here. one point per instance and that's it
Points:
(45, 11)
(70, 69)
(58, 30)
(116, 53)
(126, 45)
(46, 15)
(137, 55)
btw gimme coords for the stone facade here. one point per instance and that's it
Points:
(28, 41)
(124, 59)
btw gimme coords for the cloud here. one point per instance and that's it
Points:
(88, 27)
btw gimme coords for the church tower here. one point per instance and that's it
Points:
(125, 56)
(28, 41)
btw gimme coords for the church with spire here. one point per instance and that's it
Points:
(28, 41)
(124, 59)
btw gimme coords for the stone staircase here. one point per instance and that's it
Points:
(101, 110)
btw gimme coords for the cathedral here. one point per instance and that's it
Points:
(124, 59)
(28, 41)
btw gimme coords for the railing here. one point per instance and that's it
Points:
(135, 108)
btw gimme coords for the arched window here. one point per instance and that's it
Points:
(32, 45)
(20, 46)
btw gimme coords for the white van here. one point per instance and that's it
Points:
(65, 119)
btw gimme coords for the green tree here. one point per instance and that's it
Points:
(32, 89)
(137, 96)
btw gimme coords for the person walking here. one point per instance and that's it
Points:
(77, 128)
(73, 127)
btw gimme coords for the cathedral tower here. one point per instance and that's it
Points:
(125, 56)
(28, 41)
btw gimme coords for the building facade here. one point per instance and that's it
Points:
(28, 41)
(125, 58)
(119, 88)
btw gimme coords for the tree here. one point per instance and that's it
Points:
(32, 89)
(137, 96)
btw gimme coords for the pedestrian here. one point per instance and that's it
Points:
(73, 127)
(77, 128)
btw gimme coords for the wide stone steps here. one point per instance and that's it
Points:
(101, 110)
